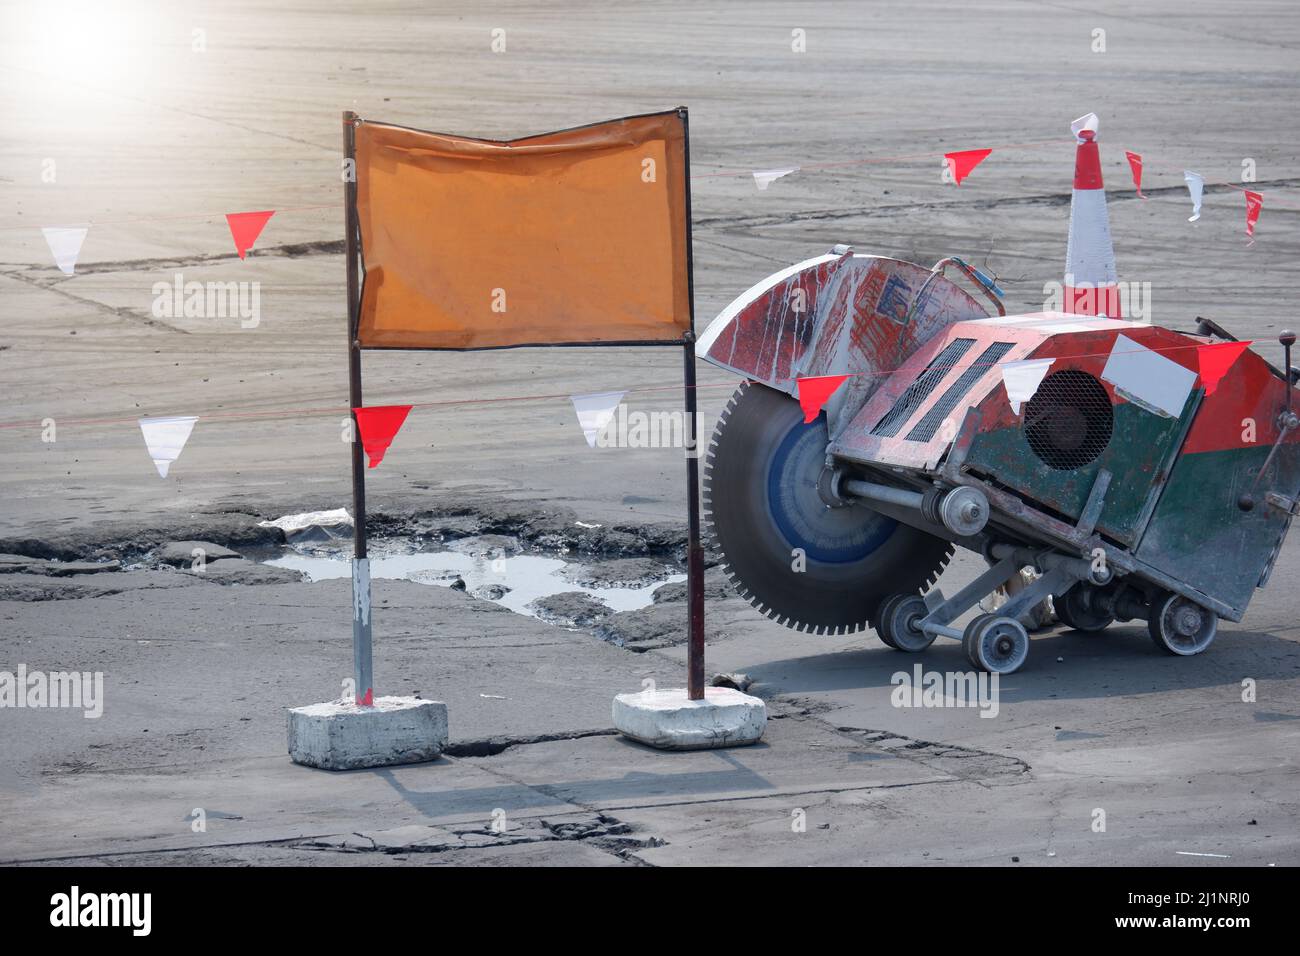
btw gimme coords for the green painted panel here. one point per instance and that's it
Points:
(1141, 442)
(1199, 536)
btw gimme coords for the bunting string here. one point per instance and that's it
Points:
(290, 412)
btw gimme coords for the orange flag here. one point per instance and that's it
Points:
(575, 237)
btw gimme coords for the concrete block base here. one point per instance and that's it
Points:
(668, 720)
(342, 736)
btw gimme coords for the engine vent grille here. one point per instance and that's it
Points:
(920, 390)
(927, 427)
(1069, 420)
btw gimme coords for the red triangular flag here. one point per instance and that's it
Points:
(378, 425)
(1254, 203)
(1135, 163)
(245, 227)
(1215, 360)
(960, 164)
(813, 393)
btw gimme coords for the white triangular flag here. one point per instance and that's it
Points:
(766, 177)
(65, 246)
(1022, 380)
(595, 411)
(165, 437)
(1195, 186)
(1088, 121)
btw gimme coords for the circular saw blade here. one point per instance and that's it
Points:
(803, 564)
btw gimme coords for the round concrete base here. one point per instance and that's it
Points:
(666, 719)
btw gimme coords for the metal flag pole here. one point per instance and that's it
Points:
(362, 655)
(694, 549)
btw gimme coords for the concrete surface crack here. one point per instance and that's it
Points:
(597, 829)
(491, 746)
(968, 763)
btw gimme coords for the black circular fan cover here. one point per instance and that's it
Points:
(1069, 420)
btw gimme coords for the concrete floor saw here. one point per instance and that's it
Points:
(1145, 473)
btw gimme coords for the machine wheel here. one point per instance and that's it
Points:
(971, 628)
(799, 560)
(886, 611)
(998, 645)
(1180, 626)
(899, 617)
(1076, 612)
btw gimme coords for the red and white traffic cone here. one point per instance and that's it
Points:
(1091, 282)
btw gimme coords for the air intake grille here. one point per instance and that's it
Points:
(1069, 420)
(920, 390)
(925, 429)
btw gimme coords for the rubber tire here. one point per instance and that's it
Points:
(901, 638)
(882, 619)
(966, 646)
(1159, 608)
(1064, 612)
(990, 664)
(840, 597)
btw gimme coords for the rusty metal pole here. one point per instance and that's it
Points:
(694, 548)
(362, 653)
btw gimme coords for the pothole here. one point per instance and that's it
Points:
(558, 589)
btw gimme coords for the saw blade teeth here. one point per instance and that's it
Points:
(747, 424)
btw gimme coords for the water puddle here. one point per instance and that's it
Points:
(513, 581)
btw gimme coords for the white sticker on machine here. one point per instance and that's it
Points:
(1147, 378)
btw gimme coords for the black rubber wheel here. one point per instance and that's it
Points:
(767, 517)
(883, 616)
(1182, 627)
(996, 644)
(972, 627)
(903, 615)
(1073, 609)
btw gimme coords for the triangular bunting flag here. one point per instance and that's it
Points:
(1022, 380)
(165, 437)
(1254, 203)
(1215, 360)
(594, 412)
(1087, 123)
(378, 424)
(1135, 163)
(245, 227)
(814, 392)
(960, 164)
(766, 177)
(1195, 186)
(65, 246)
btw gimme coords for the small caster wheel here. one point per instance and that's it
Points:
(1180, 626)
(970, 629)
(883, 617)
(902, 623)
(1076, 612)
(998, 645)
